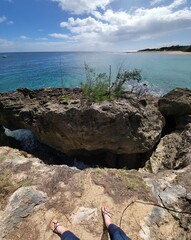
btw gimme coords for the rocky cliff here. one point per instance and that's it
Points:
(149, 203)
(124, 126)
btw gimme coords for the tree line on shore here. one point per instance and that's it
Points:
(171, 48)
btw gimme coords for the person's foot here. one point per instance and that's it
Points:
(57, 227)
(106, 216)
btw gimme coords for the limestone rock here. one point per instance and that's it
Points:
(172, 152)
(165, 154)
(176, 103)
(124, 126)
(83, 214)
(183, 157)
(20, 205)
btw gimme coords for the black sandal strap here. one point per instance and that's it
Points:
(106, 212)
(55, 227)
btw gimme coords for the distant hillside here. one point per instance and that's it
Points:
(172, 48)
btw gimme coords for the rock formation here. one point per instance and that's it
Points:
(149, 204)
(126, 126)
(176, 103)
(174, 149)
(20, 205)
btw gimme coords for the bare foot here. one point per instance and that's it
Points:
(57, 227)
(106, 216)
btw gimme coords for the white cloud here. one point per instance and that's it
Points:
(107, 29)
(3, 19)
(59, 35)
(174, 4)
(177, 3)
(153, 2)
(23, 37)
(81, 6)
(5, 44)
(121, 26)
(87, 25)
(10, 22)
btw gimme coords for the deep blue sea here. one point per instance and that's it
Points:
(162, 72)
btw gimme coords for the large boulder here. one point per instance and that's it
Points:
(70, 124)
(20, 205)
(172, 152)
(165, 154)
(176, 103)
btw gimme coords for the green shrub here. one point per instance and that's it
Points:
(122, 78)
(131, 185)
(67, 99)
(98, 87)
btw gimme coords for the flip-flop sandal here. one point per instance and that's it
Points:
(106, 212)
(54, 225)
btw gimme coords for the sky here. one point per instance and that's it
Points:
(93, 25)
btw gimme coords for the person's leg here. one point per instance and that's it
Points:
(62, 231)
(67, 235)
(115, 233)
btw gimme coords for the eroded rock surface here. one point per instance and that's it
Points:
(176, 103)
(174, 149)
(20, 205)
(125, 126)
(172, 152)
(75, 197)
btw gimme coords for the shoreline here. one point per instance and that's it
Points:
(165, 52)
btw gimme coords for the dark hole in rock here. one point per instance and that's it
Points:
(143, 102)
(170, 125)
(23, 139)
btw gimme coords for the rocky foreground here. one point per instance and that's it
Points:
(150, 203)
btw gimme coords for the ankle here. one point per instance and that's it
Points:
(107, 222)
(61, 229)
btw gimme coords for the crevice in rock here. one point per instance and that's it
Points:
(170, 125)
(81, 159)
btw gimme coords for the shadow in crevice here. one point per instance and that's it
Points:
(170, 125)
(25, 140)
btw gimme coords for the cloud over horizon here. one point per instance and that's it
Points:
(81, 6)
(113, 26)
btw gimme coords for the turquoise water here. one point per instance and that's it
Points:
(162, 72)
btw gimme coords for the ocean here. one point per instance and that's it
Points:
(161, 72)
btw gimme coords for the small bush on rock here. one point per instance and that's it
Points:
(98, 87)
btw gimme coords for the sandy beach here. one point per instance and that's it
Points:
(165, 52)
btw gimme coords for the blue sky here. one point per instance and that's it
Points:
(93, 25)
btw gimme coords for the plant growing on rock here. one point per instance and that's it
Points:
(122, 78)
(25, 183)
(98, 87)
